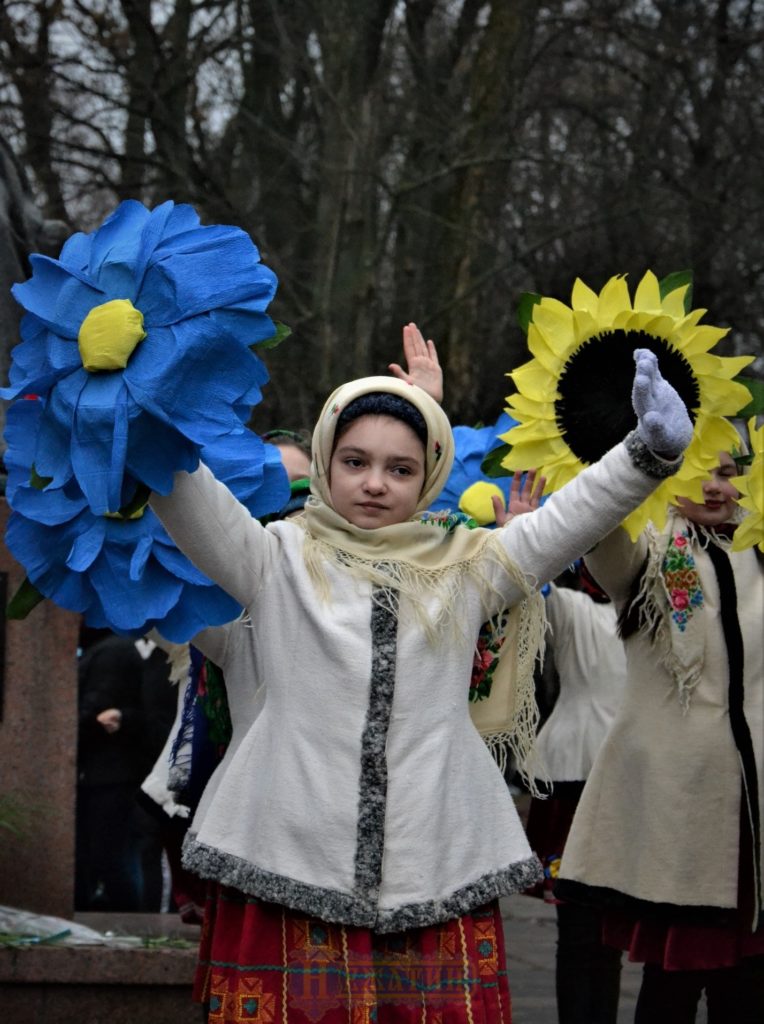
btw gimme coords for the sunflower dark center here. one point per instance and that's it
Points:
(594, 411)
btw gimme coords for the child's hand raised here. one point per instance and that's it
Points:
(524, 496)
(422, 366)
(663, 422)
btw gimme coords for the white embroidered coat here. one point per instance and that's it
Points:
(659, 818)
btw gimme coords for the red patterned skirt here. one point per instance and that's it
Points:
(261, 962)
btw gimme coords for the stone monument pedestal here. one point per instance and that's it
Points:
(38, 749)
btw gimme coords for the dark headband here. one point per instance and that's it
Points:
(381, 403)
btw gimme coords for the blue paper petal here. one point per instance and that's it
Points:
(86, 547)
(176, 563)
(99, 441)
(53, 437)
(472, 445)
(251, 469)
(140, 557)
(124, 600)
(198, 609)
(195, 392)
(157, 451)
(59, 296)
(184, 276)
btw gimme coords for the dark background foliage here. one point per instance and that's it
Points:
(411, 159)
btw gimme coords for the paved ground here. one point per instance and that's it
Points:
(530, 931)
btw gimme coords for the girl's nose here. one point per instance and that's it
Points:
(374, 481)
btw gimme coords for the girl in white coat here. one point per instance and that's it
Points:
(358, 829)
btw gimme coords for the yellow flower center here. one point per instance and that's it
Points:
(476, 502)
(135, 508)
(108, 335)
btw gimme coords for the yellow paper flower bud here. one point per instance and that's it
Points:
(108, 335)
(476, 502)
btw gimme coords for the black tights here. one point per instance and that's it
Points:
(734, 995)
(588, 973)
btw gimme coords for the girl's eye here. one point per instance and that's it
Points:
(402, 470)
(353, 463)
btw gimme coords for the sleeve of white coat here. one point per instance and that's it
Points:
(576, 517)
(216, 532)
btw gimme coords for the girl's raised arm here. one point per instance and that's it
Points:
(216, 532)
(592, 505)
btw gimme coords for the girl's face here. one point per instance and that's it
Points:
(719, 496)
(296, 462)
(377, 472)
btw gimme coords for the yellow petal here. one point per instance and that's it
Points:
(560, 473)
(528, 407)
(647, 298)
(555, 306)
(700, 339)
(662, 326)
(625, 321)
(673, 303)
(723, 397)
(533, 430)
(534, 381)
(749, 533)
(557, 329)
(614, 297)
(534, 454)
(584, 325)
(543, 350)
(583, 298)
(720, 366)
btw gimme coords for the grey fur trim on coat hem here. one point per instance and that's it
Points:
(515, 878)
(348, 908)
(644, 458)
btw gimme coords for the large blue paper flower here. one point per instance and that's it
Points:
(163, 311)
(126, 574)
(472, 445)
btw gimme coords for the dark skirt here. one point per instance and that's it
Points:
(548, 826)
(266, 963)
(681, 947)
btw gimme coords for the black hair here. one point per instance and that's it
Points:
(382, 403)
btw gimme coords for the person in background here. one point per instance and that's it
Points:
(591, 666)
(666, 839)
(111, 762)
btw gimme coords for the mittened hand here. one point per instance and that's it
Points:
(663, 422)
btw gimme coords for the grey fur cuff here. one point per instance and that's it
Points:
(644, 458)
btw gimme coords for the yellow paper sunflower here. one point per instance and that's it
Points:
(573, 399)
(751, 486)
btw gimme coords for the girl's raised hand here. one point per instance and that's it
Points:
(663, 422)
(422, 366)
(524, 496)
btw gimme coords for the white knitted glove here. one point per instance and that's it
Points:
(663, 421)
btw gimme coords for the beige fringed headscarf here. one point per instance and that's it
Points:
(422, 561)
